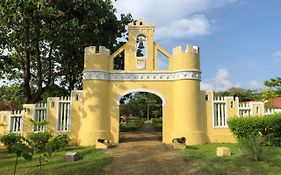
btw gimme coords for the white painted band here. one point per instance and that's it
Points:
(142, 76)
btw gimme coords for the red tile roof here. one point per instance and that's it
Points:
(276, 102)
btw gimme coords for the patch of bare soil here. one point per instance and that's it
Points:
(143, 153)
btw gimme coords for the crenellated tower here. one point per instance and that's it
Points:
(95, 122)
(188, 121)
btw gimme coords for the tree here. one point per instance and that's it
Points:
(268, 94)
(274, 84)
(141, 104)
(15, 144)
(43, 144)
(243, 94)
(11, 97)
(45, 40)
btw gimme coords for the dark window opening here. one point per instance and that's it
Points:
(119, 62)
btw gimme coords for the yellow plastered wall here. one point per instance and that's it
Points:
(28, 115)
(76, 115)
(182, 107)
(53, 105)
(95, 121)
(218, 134)
(136, 28)
(257, 108)
(4, 120)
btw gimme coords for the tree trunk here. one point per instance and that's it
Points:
(15, 168)
(26, 65)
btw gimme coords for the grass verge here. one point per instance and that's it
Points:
(92, 163)
(205, 161)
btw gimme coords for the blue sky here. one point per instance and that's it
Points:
(239, 40)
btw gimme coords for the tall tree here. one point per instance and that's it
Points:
(243, 94)
(45, 40)
(274, 84)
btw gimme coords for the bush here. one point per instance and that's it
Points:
(157, 124)
(133, 125)
(268, 127)
(252, 146)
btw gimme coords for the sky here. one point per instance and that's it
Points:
(239, 40)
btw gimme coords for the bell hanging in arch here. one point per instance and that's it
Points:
(140, 46)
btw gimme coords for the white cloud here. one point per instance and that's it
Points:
(253, 84)
(221, 82)
(277, 54)
(195, 26)
(187, 17)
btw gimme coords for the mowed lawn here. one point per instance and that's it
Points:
(204, 161)
(92, 163)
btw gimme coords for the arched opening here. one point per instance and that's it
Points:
(141, 45)
(140, 116)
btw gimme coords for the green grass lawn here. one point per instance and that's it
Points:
(92, 163)
(205, 161)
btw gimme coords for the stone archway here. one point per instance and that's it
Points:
(156, 93)
(178, 87)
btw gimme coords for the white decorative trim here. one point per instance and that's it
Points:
(164, 102)
(143, 76)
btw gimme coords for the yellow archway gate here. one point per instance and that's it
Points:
(133, 67)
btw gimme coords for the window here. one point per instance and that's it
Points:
(16, 123)
(206, 97)
(141, 45)
(257, 109)
(64, 116)
(119, 62)
(40, 116)
(220, 115)
(231, 104)
(52, 104)
(77, 97)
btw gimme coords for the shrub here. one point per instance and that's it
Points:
(43, 144)
(253, 146)
(15, 144)
(157, 124)
(132, 125)
(268, 127)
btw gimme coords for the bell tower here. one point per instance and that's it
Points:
(139, 54)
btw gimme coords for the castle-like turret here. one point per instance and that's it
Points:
(95, 123)
(186, 96)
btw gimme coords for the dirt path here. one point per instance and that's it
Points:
(143, 153)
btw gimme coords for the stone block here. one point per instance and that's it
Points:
(223, 151)
(71, 157)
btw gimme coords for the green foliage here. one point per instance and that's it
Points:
(38, 123)
(275, 85)
(43, 143)
(268, 127)
(45, 40)
(243, 94)
(12, 96)
(10, 139)
(268, 94)
(141, 104)
(132, 125)
(58, 143)
(157, 124)
(14, 144)
(252, 146)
